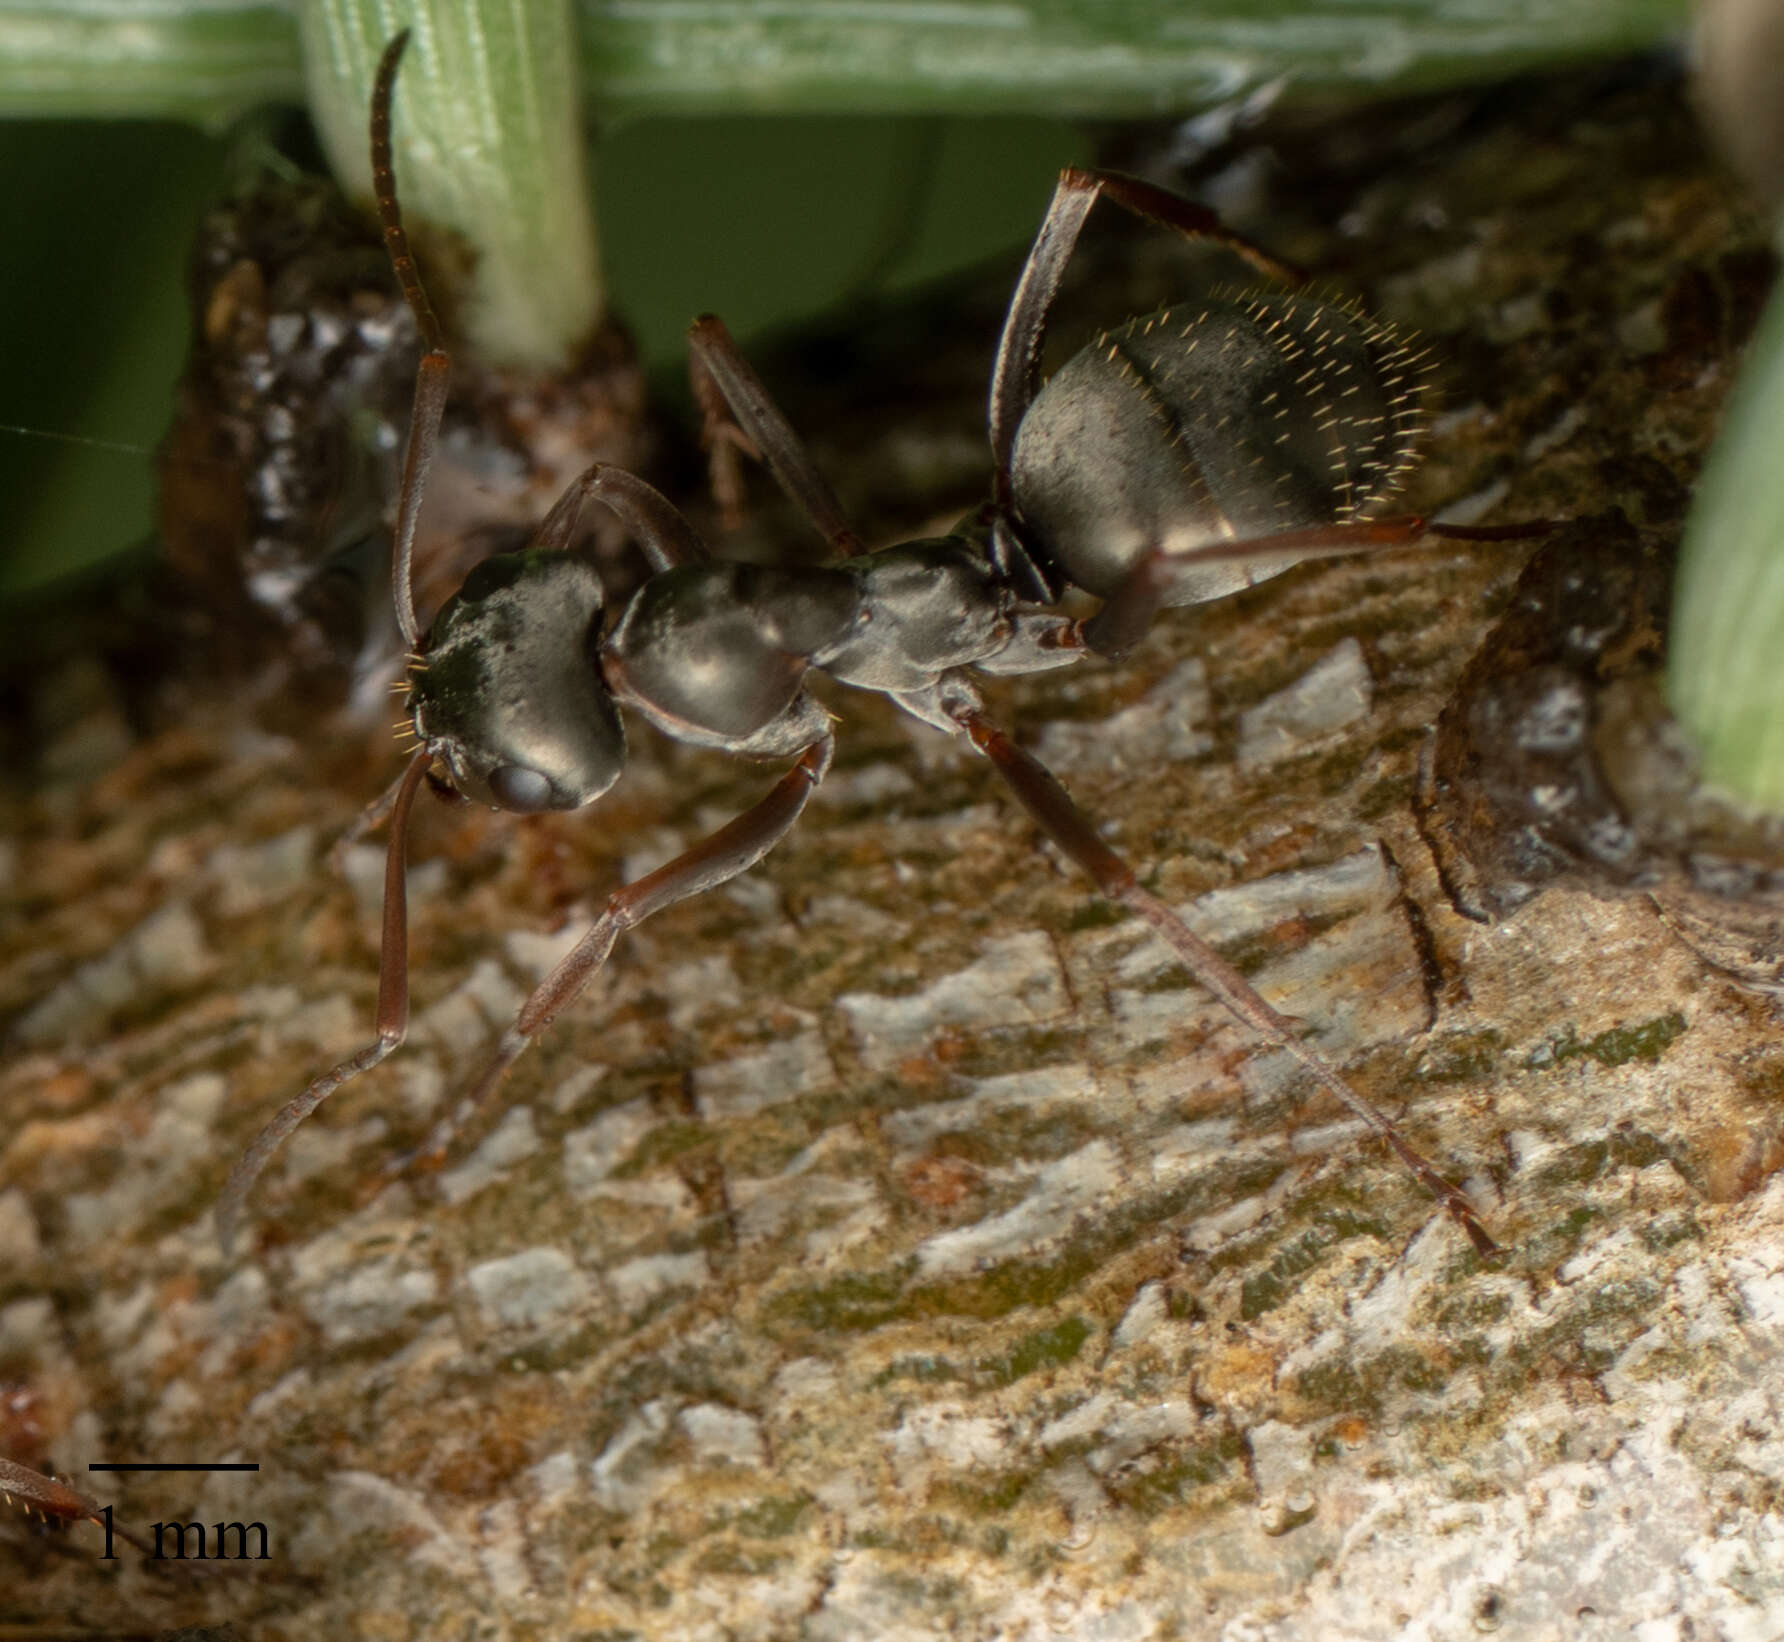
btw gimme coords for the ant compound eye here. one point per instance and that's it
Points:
(517, 788)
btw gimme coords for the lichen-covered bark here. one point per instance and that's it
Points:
(896, 1243)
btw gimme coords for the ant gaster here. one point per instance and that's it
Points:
(1175, 459)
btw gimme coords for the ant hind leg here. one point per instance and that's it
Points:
(1051, 808)
(1016, 375)
(1147, 587)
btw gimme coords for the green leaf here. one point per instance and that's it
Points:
(209, 59)
(1726, 656)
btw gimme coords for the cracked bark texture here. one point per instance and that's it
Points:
(896, 1243)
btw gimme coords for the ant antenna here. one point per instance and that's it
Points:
(392, 1018)
(434, 374)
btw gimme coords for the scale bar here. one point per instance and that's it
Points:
(173, 1465)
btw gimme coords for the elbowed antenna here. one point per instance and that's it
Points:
(433, 376)
(392, 1017)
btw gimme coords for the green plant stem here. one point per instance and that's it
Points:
(1727, 650)
(488, 143)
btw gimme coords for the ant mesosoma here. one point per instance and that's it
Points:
(1176, 459)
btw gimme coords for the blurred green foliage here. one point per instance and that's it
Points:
(761, 219)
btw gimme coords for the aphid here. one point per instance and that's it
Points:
(1179, 457)
(271, 472)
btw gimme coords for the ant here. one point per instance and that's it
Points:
(1178, 458)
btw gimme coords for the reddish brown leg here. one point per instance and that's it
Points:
(1015, 378)
(735, 847)
(1129, 613)
(33, 1491)
(1052, 809)
(723, 441)
(368, 820)
(392, 1018)
(763, 430)
(662, 534)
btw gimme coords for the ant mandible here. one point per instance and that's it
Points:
(1176, 459)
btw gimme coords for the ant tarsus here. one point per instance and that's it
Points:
(44, 1496)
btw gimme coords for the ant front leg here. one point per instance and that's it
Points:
(722, 440)
(33, 1491)
(373, 816)
(664, 537)
(1051, 808)
(723, 379)
(1016, 375)
(734, 848)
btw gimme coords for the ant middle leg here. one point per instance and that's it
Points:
(734, 848)
(724, 380)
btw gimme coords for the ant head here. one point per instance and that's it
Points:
(509, 691)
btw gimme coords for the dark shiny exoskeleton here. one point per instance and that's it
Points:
(708, 651)
(1236, 418)
(1178, 457)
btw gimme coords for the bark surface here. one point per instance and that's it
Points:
(896, 1243)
